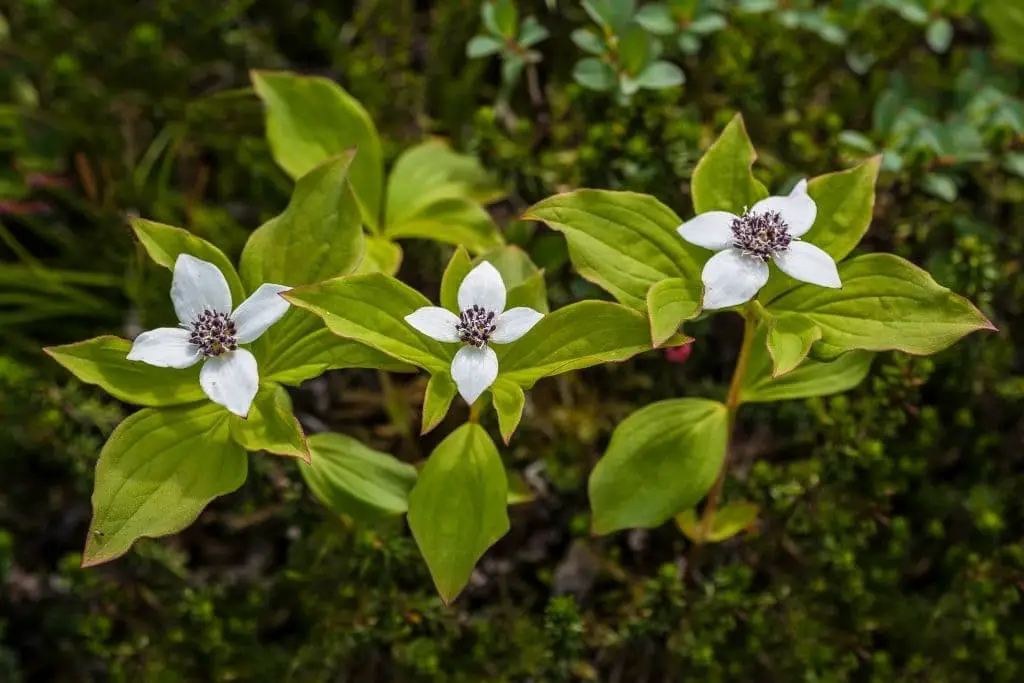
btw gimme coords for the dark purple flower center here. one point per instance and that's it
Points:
(214, 333)
(475, 326)
(761, 234)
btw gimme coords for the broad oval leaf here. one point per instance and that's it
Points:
(845, 202)
(318, 236)
(457, 510)
(370, 308)
(157, 472)
(429, 166)
(509, 401)
(886, 303)
(661, 459)
(789, 340)
(353, 479)
(271, 425)
(103, 361)
(382, 256)
(164, 243)
(311, 119)
(437, 400)
(722, 179)
(728, 520)
(577, 336)
(670, 303)
(623, 242)
(453, 219)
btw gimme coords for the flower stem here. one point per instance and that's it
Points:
(475, 410)
(732, 403)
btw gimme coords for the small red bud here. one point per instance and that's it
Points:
(679, 354)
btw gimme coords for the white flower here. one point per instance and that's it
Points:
(209, 329)
(481, 302)
(771, 229)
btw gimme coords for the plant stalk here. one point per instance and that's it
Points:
(732, 404)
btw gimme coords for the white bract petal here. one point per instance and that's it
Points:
(797, 209)
(231, 380)
(165, 347)
(435, 322)
(257, 313)
(474, 369)
(808, 263)
(711, 230)
(198, 286)
(731, 277)
(483, 287)
(514, 323)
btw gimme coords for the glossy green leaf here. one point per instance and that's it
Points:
(103, 361)
(311, 119)
(811, 378)
(594, 74)
(722, 179)
(634, 49)
(577, 336)
(430, 170)
(355, 480)
(728, 520)
(657, 18)
(483, 46)
(509, 400)
(588, 41)
(623, 242)
(452, 220)
(157, 472)
(531, 32)
(845, 202)
(660, 75)
(886, 303)
(661, 459)
(457, 510)
(382, 256)
(164, 243)
(789, 340)
(318, 236)
(371, 309)
(670, 303)
(271, 425)
(939, 35)
(437, 400)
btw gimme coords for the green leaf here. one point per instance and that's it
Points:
(509, 401)
(506, 17)
(453, 220)
(661, 75)
(661, 459)
(728, 520)
(845, 201)
(157, 472)
(310, 349)
(457, 509)
(634, 49)
(310, 120)
(577, 336)
(858, 141)
(1006, 21)
(382, 256)
(519, 491)
(532, 292)
(483, 46)
(940, 185)
(523, 279)
(454, 273)
(939, 35)
(594, 74)
(886, 303)
(623, 242)
(670, 303)
(789, 340)
(371, 309)
(164, 243)
(271, 425)
(811, 378)
(103, 361)
(722, 179)
(431, 170)
(319, 235)
(709, 23)
(355, 480)
(588, 41)
(531, 32)
(657, 18)
(437, 400)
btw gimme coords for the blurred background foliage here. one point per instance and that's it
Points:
(888, 547)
